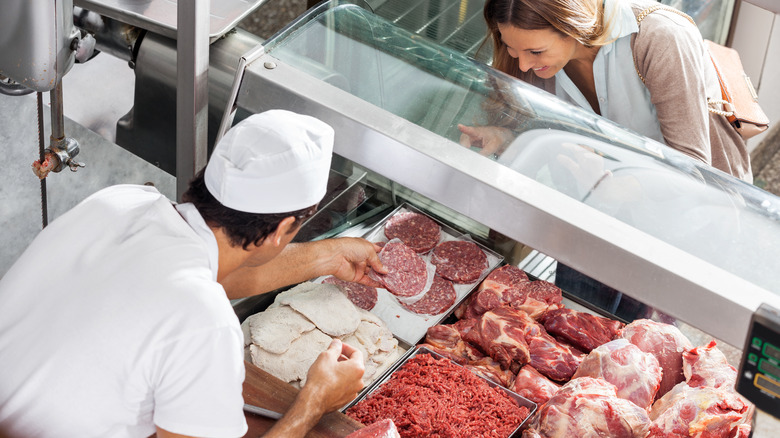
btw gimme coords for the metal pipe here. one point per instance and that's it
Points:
(57, 115)
(192, 61)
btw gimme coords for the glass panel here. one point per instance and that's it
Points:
(592, 160)
(713, 17)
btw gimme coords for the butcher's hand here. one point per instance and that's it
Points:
(489, 139)
(333, 380)
(351, 259)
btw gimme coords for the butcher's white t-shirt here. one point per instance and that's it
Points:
(111, 322)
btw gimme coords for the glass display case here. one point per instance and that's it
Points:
(670, 232)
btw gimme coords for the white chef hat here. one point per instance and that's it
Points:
(273, 162)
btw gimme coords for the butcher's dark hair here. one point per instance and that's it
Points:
(240, 227)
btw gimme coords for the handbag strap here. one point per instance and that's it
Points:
(649, 10)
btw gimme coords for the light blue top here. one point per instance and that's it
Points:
(623, 98)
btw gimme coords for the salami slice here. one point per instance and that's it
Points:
(406, 271)
(439, 298)
(459, 260)
(416, 230)
(361, 295)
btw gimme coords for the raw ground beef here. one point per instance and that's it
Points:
(439, 298)
(459, 260)
(361, 295)
(433, 397)
(406, 271)
(416, 230)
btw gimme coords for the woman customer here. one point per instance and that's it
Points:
(654, 77)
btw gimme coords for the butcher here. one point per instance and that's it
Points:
(116, 320)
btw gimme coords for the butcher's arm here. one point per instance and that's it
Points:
(348, 258)
(333, 380)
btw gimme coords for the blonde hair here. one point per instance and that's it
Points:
(582, 20)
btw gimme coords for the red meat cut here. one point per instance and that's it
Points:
(513, 338)
(381, 429)
(582, 330)
(530, 384)
(708, 366)
(460, 261)
(500, 334)
(588, 407)
(406, 271)
(436, 300)
(509, 285)
(664, 341)
(702, 412)
(635, 374)
(361, 295)
(416, 230)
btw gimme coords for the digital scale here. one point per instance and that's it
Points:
(759, 370)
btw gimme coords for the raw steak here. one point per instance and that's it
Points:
(407, 273)
(509, 285)
(361, 295)
(530, 384)
(436, 300)
(460, 261)
(587, 407)
(664, 341)
(416, 230)
(491, 370)
(702, 412)
(635, 374)
(500, 334)
(446, 340)
(708, 366)
(381, 429)
(548, 356)
(583, 330)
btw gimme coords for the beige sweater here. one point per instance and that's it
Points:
(671, 55)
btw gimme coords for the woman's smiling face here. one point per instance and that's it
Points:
(544, 51)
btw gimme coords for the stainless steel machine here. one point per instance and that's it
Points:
(681, 238)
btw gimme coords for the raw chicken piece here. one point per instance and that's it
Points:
(635, 374)
(582, 330)
(664, 341)
(708, 366)
(701, 412)
(587, 407)
(530, 384)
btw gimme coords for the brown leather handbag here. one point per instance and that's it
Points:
(739, 101)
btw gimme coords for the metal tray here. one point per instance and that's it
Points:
(409, 326)
(521, 401)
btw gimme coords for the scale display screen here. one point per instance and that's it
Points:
(759, 371)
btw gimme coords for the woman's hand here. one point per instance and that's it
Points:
(490, 139)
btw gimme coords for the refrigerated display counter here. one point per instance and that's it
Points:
(680, 237)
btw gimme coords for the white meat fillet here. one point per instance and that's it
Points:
(275, 329)
(293, 365)
(327, 307)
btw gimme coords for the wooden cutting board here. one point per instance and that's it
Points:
(266, 391)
